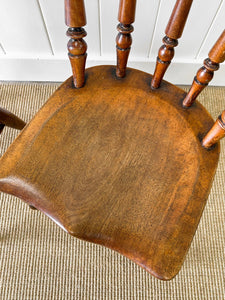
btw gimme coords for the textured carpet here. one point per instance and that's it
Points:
(40, 261)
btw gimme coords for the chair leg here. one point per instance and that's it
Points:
(9, 119)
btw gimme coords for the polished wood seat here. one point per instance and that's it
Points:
(118, 162)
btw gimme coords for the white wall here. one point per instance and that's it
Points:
(33, 41)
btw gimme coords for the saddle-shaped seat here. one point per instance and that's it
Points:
(118, 162)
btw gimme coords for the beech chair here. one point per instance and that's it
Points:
(119, 157)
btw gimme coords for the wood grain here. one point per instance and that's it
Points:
(119, 164)
(178, 19)
(217, 53)
(127, 11)
(75, 15)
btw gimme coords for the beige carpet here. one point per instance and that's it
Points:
(40, 261)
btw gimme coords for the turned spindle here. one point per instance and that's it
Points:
(173, 32)
(216, 133)
(124, 39)
(205, 73)
(75, 19)
(9, 119)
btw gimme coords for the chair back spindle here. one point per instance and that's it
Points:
(205, 73)
(124, 40)
(75, 18)
(216, 133)
(173, 31)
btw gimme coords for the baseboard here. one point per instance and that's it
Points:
(54, 69)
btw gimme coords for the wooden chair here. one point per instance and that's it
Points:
(9, 119)
(118, 157)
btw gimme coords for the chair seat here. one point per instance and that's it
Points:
(118, 164)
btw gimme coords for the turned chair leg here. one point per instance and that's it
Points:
(9, 119)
